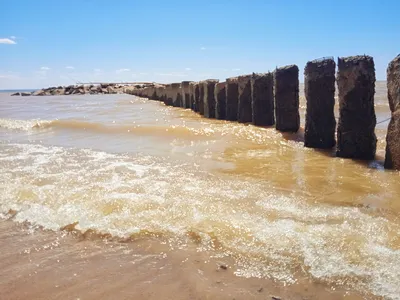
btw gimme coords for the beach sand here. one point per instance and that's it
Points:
(42, 264)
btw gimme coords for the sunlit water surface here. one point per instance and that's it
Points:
(126, 166)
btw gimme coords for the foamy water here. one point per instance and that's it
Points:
(123, 165)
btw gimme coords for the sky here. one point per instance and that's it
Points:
(50, 43)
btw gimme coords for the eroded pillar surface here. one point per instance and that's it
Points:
(220, 98)
(186, 94)
(209, 98)
(201, 97)
(392, 158)
(319, 90)
(286, 86)
(356, 128)
(245, 113)
(262, 97)
(232, 98)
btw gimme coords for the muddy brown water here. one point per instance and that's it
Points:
(156, 201)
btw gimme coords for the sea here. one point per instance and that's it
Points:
(120, 197)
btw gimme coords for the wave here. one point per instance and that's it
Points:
(77, 125)
(269, 233)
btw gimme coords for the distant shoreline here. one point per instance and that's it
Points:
(37, 89)
(18, 90)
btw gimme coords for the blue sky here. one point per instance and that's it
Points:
(45, 43)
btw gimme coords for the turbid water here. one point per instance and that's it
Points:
(161, 200)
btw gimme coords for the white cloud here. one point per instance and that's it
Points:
(142, 73)
(13, 37)
(69, 67)
(237, 69)
(122, 70)
(188, 69)
(203, 48)
(97, 70)
(7, 41)
(45, 68)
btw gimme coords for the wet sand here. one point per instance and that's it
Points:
(41, 264)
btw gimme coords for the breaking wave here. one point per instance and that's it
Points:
(78, 125)
(269, 234)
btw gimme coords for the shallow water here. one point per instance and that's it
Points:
(131, 167)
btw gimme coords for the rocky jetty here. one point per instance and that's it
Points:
(103, 88)
(21, 94)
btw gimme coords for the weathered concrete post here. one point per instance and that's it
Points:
(159, 92)
(165, 93)
(232, 98)
(209, 97)
(319, 90)
(196, 95)
(262, 97)
(192, 87)
(245, 112)
(152, 93)
(186, 94)
(356, 129)
(177, 96)
(392, 158)
(191, 95)
(220, 98)
(168, 95)
(201, 97)
(287, 98)
(162, 93)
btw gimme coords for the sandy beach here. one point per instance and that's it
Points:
(40, 264)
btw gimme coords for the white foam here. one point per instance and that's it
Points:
(25, 125)
(269, 234)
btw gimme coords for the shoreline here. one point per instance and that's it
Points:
(63, 264)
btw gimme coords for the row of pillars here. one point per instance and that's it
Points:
(269, 99)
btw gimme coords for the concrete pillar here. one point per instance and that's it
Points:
(176, 94)
(220, 100)
(152, 93)
(232, 98)
(392, 159)
(319, 90)
(356, 129)
(245, 112)
(191, 94)
(196, 96)
(159, 90)
(286, 85)
(161, 93)
(201, 98)
(209, 97)
(262, 97)
(168, 95)
(186, 103)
